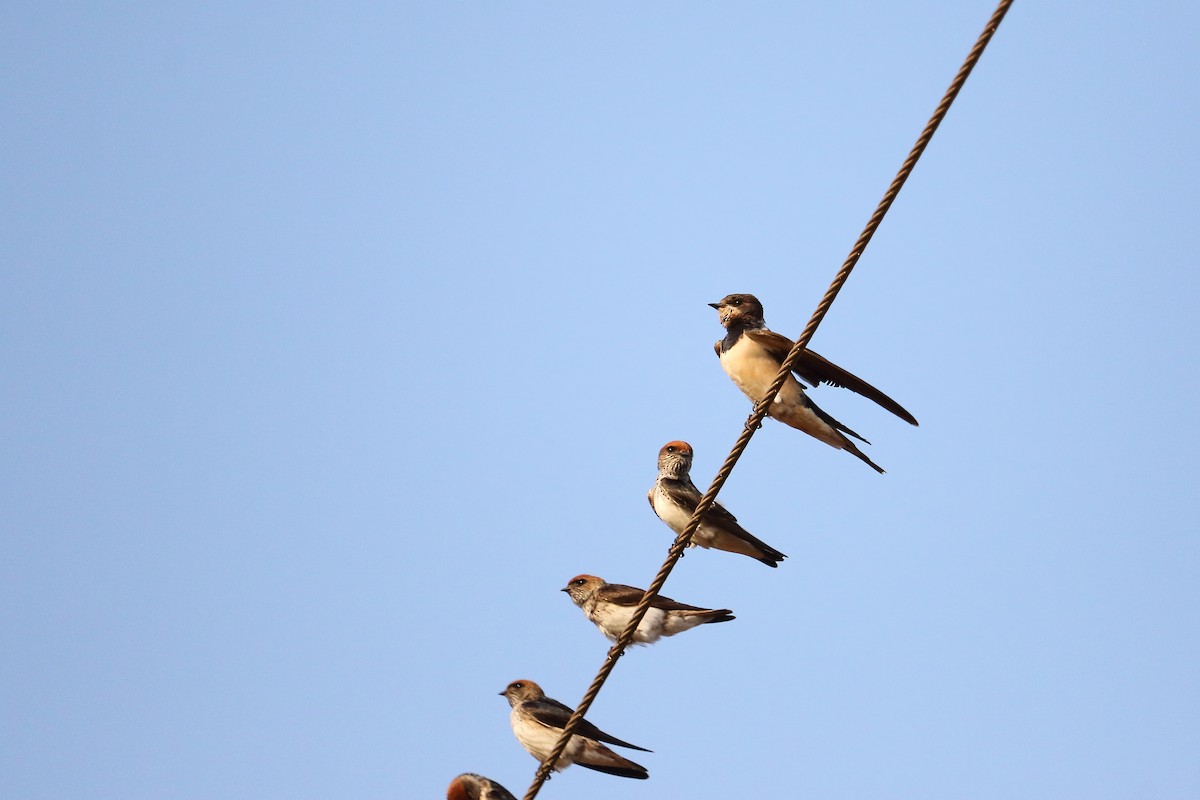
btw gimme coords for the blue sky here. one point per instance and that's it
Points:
(337, 337)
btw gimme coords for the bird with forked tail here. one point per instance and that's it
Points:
(752, 356)
(611, 605)
(538, 722)
(674, 499)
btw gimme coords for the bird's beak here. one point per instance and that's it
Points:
(716, 306)
(564, 590)
(502, 693)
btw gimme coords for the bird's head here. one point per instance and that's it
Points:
(581, 587)
(740, 309)
(521, 691)
(675, 459)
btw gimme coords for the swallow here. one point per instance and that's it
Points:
(674, 499)
(752, 355)
(610, 606)
(538, 722)
(470, 786)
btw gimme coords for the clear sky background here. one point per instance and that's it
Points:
(338, 336)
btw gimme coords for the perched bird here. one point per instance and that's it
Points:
(752, 355)
(610, 606)
(470, 786)
(538, 722)
(674, 498)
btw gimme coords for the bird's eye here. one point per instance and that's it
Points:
(518, 686)
(671, 449)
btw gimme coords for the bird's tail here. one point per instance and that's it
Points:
(842, 433)
(596, 756)
(758, 549)
(684, 620)
(850, 447)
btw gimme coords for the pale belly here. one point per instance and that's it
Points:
(753, 370)
(674, 515)
(539, 740)
(677, 519)
(616, 618)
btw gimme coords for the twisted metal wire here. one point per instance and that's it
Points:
(760, 409)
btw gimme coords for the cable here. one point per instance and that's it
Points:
(760, 410)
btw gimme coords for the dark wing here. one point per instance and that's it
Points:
(498, 792)
(621, 772)
(686, 495)
(620, 594)
(667, 604)
(630, 596)
(774, 343)
(553, 713)
(548, 712)
(592, 732)
(816, 369)
(615, 765)
(717, 515)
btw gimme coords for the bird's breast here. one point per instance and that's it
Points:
(669, 511)
(614, 619)
(753, 368)
(539, 739)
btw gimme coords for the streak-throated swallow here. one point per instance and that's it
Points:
(674, 498)
(752, 356)
(470, 786)
(610, 606)
(538, 722)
